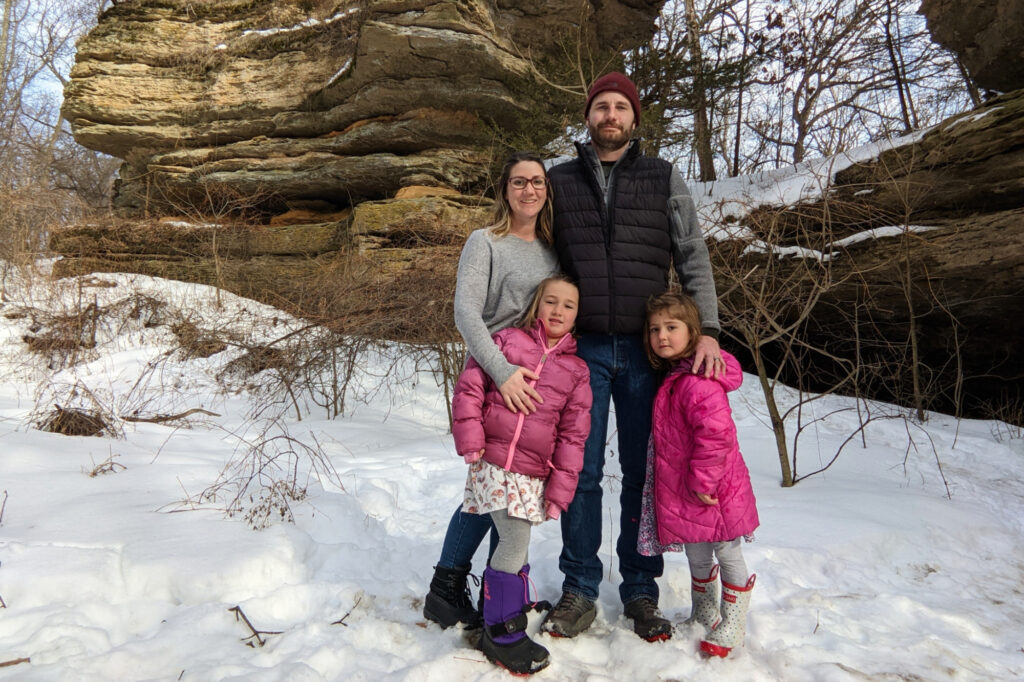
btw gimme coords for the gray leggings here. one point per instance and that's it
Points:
(700, 556)
(513, 548)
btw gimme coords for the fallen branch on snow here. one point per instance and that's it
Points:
(255, 633)
(161, 418)
(14, 661)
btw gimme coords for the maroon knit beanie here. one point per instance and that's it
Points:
(616, 82)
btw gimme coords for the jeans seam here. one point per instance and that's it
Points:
(638, 597)
(590, 599)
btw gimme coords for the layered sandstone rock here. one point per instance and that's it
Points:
(405, 247)
(292, 102)
(318, 154)
(942, 279)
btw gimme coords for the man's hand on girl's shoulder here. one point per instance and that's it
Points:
(707, 358)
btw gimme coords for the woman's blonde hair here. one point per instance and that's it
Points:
(501, 220)
(530, 316)
(677, 306)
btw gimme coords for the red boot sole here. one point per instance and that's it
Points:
(710, 649)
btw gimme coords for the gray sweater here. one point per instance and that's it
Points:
(496, 280)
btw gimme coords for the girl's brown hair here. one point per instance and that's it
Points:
(530, 316)
(501, 220)
(677, 306)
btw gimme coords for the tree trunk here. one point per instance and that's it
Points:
(778, 425)
(972, 89)
(739, 99)
(5, 46)
(906, 107)
(701, 122)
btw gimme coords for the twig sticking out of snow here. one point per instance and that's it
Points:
(255, 633)
(341, 621)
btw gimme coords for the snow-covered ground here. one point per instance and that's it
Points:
(867, 571)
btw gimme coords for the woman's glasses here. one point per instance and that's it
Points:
(519, 182)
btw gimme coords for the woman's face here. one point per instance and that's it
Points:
(526, 190)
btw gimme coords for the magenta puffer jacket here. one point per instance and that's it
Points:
(696, 451)
(547, 444)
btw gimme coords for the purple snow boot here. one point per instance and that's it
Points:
(504, 641)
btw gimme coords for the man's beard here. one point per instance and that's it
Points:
(608, 138)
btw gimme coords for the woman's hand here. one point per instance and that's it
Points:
(552, 511)
(518, 395)
(709, 500)
(471, 457)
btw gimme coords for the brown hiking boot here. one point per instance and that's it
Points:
(571, 615)
(647, 620)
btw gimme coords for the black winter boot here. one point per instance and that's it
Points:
(449, 601)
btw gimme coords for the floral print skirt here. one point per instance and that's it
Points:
(490, 488)
(647, 541)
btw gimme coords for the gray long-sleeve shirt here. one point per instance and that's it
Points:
(495, 284)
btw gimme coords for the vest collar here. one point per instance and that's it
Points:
(586, 151)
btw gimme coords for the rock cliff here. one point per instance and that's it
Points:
(986, 36)
(321, 103)
(924, 272)
(328, 156)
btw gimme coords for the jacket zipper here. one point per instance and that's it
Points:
(609, 229)
(522, 415)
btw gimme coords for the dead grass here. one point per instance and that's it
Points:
(194, 342)
(74, 422)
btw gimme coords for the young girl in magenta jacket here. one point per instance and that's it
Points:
(523, 467)
(698, 494)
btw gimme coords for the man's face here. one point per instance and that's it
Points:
(610, 121)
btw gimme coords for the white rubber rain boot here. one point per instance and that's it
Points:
(704, 599)
(730, 632)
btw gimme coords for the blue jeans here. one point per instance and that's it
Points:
(464, 535)
(619, 372)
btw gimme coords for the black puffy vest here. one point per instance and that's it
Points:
(619, 253)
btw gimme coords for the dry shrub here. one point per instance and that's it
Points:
(194, 342)
(209, 201)
(65, 335)
(363, 304)
(271, 503)
(107, 466)
(269, 472)
(260, 358)
(74, 421)
(61, 337)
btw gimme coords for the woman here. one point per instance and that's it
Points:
(499, 270)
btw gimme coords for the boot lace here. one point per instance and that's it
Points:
(572, 605)
(540, 605)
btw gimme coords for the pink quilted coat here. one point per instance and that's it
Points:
(547, 444)
(696, 451)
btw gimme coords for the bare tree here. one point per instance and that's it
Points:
(45, 177)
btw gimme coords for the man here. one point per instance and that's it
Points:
(621, 219)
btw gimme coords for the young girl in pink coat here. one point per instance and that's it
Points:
(698, 494)
(523, 467)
